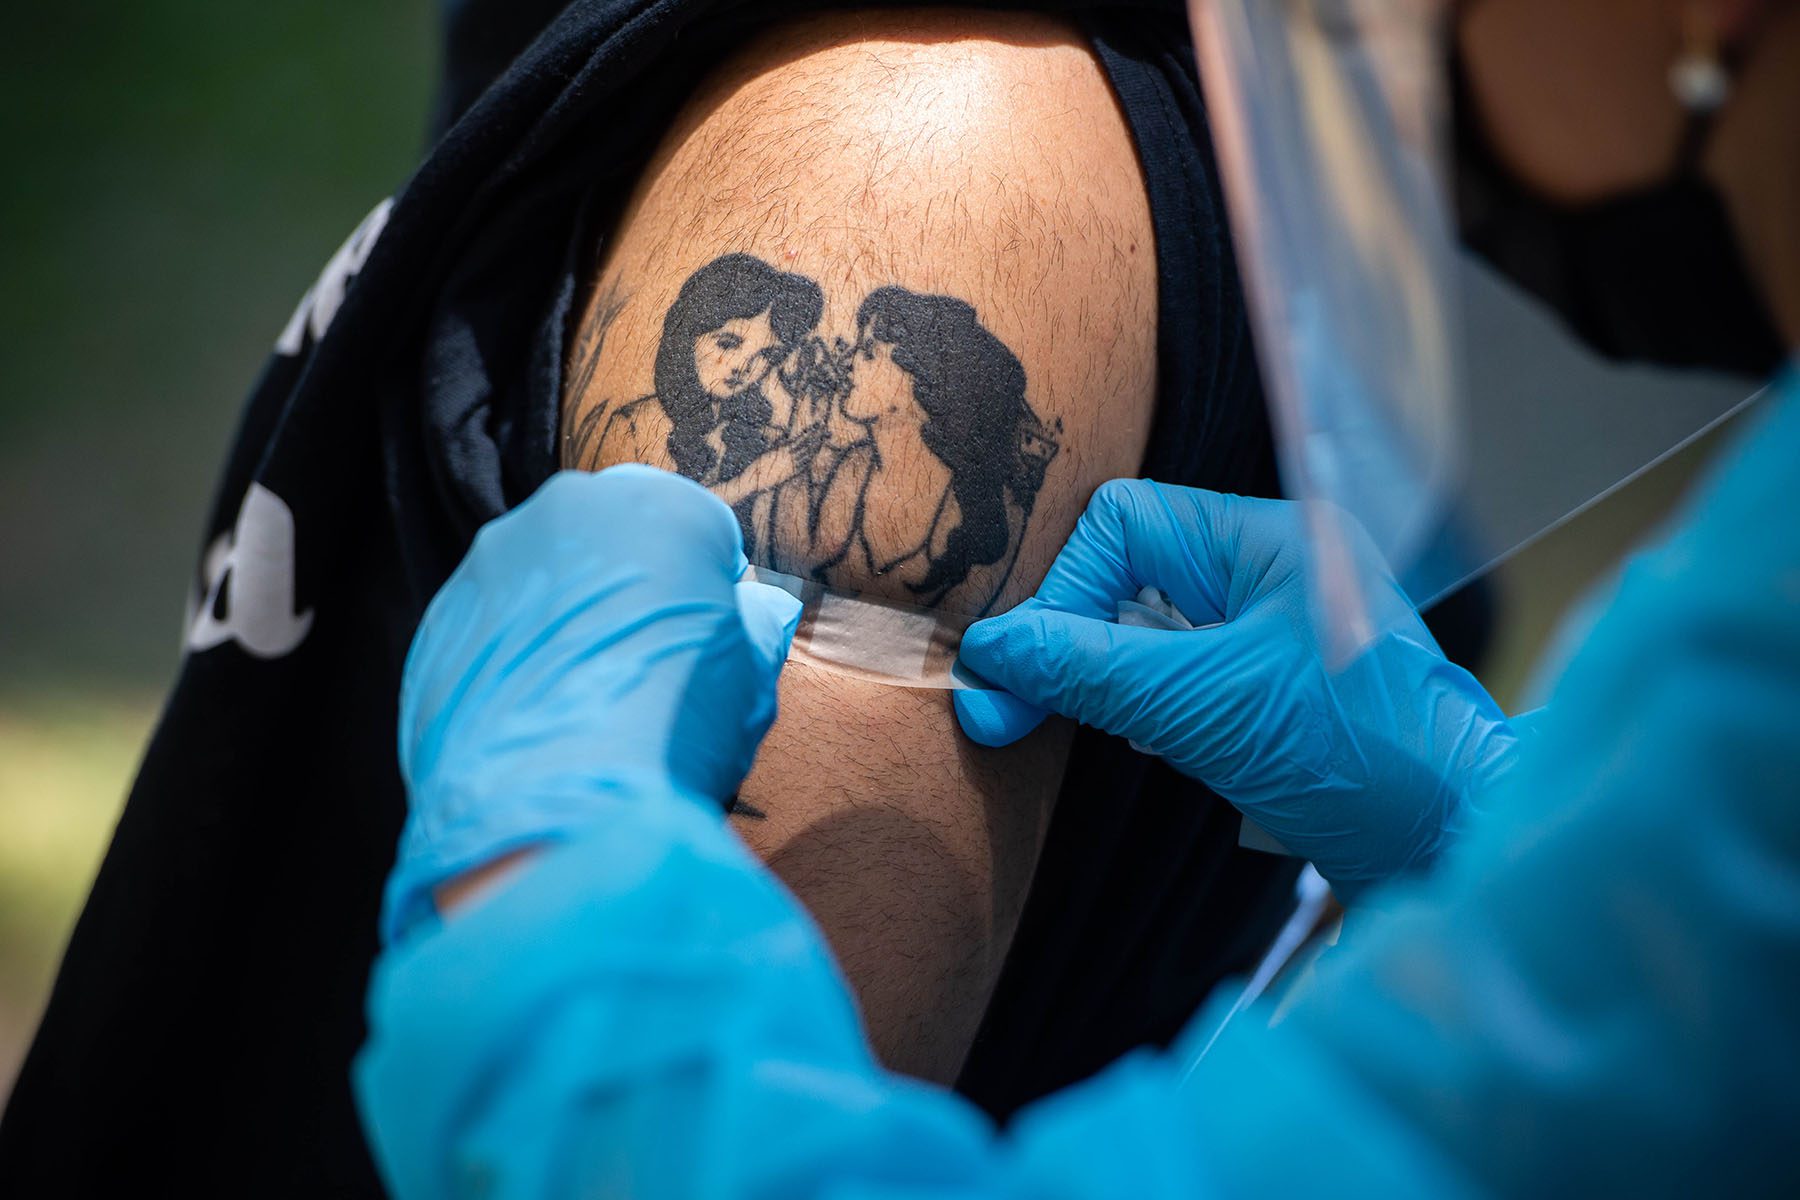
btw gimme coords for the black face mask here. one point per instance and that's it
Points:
(1654, 275)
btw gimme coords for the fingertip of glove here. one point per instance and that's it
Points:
(994, 635)
(1121, 493)
(992, 718)
(1006, 650)
(791, 610)
(980, 639)
(677, 508)
(770, 617)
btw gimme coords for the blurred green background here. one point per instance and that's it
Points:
(176, 172)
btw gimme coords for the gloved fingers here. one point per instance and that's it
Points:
(531, 597)
(1088, 578)
(1136, 683)
(994, 718)
(534, 585)
(1129, 537)
(659, 514)
(770, 617)
(1093, 571)
(727, 701)
(630, 514)
(1136, 533)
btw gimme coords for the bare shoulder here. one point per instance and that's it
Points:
(917, 241)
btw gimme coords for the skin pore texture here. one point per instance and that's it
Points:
(888, 288)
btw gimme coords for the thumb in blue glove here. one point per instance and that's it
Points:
(1364, 771)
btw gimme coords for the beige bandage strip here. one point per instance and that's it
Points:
(883, 641)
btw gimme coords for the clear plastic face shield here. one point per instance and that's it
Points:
(1411, 389)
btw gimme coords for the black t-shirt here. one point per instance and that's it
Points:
(200, 1033)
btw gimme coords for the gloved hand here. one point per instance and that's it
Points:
(592, 649)
(1365, 771)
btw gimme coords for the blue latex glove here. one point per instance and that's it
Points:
(592, 646)
(1366, 771)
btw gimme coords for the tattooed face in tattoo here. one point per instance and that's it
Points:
(735, 356)
(797, 429)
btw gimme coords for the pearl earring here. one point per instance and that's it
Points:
(1697, 76)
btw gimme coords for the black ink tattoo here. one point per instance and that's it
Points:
(794, 431)
(737, 806)
(607, 307)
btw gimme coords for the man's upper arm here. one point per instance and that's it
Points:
(892, 296)
(888, 287)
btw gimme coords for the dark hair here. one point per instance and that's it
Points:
(972, 390)
(729, 287)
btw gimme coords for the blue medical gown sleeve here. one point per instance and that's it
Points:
(645, 1012)
(1594, 994)
(1599, 994)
